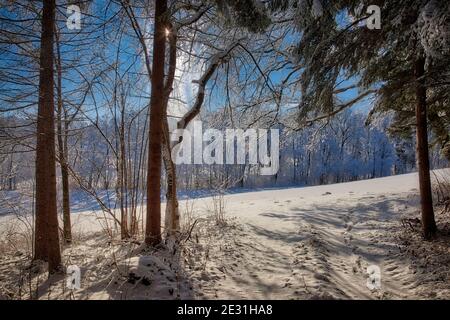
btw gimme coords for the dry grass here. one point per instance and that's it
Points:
(441, 190)
(104, 261)
(218, 208)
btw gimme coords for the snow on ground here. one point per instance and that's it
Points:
(317, 242)
(296, 243)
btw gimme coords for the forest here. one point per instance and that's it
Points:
(224, 149)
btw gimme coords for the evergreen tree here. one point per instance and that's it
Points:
(46, 232)
(404, 63)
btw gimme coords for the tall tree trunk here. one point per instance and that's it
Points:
(11, 175)
(153, 223)
(62, 149)
(172, 215)
(46, 233)
(423, 162)
(122, 170)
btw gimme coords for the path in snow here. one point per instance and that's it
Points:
(317, 242)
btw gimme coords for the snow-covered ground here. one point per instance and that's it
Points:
(319, 241)
(296, 243)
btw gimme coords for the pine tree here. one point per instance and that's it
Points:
(46, 232)
(404, 63)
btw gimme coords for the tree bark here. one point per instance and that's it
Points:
(62, 149)
(153, 222)
(122, 172)
(423, 162)
(172, 214)
(46, 232)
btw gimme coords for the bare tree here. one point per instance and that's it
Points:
(62, 136)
